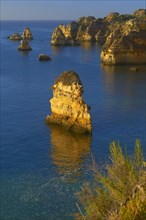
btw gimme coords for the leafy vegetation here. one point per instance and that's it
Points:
(118, 191)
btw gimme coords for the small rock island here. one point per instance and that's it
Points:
(27, 34)
(44, 57)
(123, 37)
(67, 105)
(15, 37)
(24, 45)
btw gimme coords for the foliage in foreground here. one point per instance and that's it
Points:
(119, 190)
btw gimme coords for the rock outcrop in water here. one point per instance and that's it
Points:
(24, 45)
(123, 36)
(27, 34)
(15, 36)
(67, 105)
(44, 57)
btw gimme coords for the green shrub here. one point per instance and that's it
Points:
(118, 191)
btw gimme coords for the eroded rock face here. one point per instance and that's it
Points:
(24, 45)
(126, 44)
(65, 35)
(27, 34)
(67, 105)
(123, 36)
(15, 36)
(87, 29)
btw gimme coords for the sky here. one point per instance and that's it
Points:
(64, 10)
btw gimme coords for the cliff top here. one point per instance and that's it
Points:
(68, 78)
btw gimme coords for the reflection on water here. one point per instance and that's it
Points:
(24, 53)
(56, 50)
(69, 152)
(87, 46)
(120, 80)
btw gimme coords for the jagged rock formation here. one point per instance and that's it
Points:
(44, 57)
(65, 35)
(87, 29)
(24, 46)
(15, 36)
(126, 44)
(27, 34)
(67, 105)
(123, 36)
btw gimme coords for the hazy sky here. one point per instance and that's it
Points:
(64, 10)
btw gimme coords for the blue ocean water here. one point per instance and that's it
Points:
(43, 167)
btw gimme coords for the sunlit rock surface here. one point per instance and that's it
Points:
(24, 46)
(90, 28)
(27, 34)
(15, 36)
(123, 36)
(126, 44)
(67, 105)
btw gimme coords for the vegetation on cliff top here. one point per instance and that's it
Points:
(68, 78)
(119, 190)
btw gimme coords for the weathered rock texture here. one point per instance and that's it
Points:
(67, 105)
(123, 36)
(15, 36)
(126, 44)
(27, 34)
(24, 46)
(44, 57)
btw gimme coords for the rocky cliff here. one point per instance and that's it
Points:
(87, 29)
(27, 34)
(126, 44)
(123, 36)
(67, 105)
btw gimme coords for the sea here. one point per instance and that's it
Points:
(44, 167)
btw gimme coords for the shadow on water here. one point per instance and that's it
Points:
(69, 152)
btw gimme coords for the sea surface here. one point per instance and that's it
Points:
(43, 167)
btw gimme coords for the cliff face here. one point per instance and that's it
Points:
(123, 36)
(86, 29)
(126, 44)
(27, 34)
(67, 105)
(65, 35)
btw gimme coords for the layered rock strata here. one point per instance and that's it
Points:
(126, 44)
(123, 36)
(27, 34)
(24, 45)
(67, 105)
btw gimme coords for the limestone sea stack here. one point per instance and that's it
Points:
(27, 34)
(67, 105)
(24, 46)
(126, 44)
(15, 37)
(65, 35)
